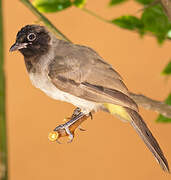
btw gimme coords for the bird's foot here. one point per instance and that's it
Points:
(71, 135)
(69, 127)
(75, 114)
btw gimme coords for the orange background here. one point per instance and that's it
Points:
(109, 149)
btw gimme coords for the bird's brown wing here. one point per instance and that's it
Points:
(93, 80)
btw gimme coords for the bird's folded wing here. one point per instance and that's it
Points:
(91, 80)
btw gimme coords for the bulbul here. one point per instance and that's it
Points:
(79, 75)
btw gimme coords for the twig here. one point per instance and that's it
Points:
(3, 137)
(149, 5)
(148, 103)
(167, 7)
(44, 20)
(110, 22)
(142, 100)
(95, 15)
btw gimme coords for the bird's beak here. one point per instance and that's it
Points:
(18, 46)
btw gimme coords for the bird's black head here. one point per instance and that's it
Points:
(32, 40)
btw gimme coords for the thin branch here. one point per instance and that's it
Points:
(148, 103)
(167, 7)
(166, 4)
(3, 137)
(110, 22)
(41, 17)
(149, 5)
(95, 15)
(141, 100)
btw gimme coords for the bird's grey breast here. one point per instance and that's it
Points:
(39, 73)
(40, 79)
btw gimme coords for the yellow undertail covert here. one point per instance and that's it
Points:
(118, 110)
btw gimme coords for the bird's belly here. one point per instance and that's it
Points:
(42, 82)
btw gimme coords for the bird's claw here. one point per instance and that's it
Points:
(81, 129)
(71, 136)
(58, 142)
(91, 115)
(69, 127)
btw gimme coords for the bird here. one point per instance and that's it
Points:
(77, 74)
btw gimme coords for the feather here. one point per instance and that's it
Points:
(146, 135)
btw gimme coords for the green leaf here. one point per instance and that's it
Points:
(144, 2)
(167, 69)
(168, 100)
(129, 22)
(48, 6)
(156, 22)
(162, 118)
(153, 20)
(79, 3)
(115, 2)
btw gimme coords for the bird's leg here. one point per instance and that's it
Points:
(69, 127)
(75, 113)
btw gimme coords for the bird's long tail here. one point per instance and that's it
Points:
(143, 131)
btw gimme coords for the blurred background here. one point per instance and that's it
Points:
(109, 149)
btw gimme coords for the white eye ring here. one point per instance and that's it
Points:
(31, 37)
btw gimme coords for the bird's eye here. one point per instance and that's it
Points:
(31, 37)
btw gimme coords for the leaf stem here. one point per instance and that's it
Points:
(95, 15)
(3, 137)
(110, 22)
(44, 20)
